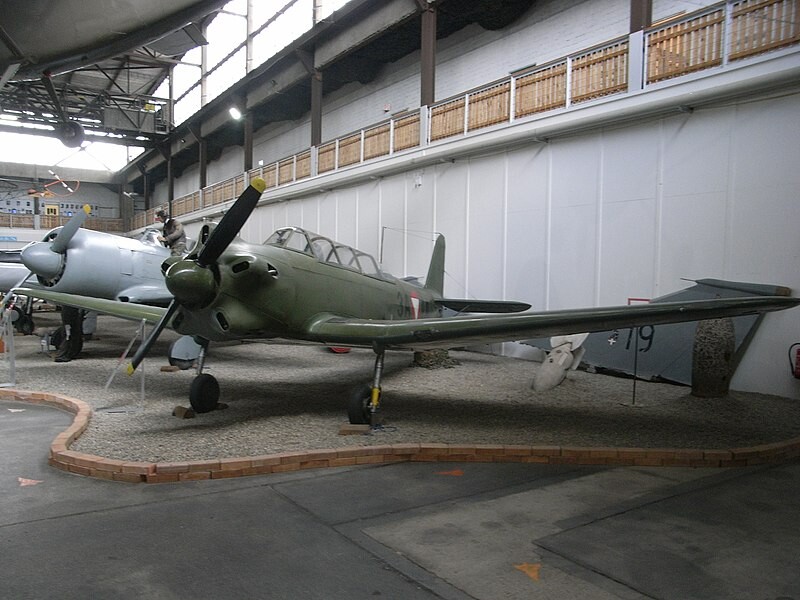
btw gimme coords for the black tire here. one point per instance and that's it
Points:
(358, 406)
(25, 325)
(204, 393)
(22, 322)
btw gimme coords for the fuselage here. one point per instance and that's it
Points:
(101, 265)
(274, 289)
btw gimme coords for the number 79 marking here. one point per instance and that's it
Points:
(646, 334)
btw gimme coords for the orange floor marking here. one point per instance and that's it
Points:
(530, 569)
(453, 473)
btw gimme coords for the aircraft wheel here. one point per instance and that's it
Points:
(204, 393)
(24, 325)
(358, 407)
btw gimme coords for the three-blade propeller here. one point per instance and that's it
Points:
(190, 280)
(46, 259)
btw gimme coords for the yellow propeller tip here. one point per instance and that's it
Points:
(259, 184)
(87, 209)
(130, 369)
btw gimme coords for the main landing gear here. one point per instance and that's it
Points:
(204, 391)
(362, 408)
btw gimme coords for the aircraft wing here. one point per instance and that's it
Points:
(124, 310)
(449, 332)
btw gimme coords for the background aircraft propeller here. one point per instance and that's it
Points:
(45, 259)
(190, 281)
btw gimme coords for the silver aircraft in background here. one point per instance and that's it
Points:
(75, 260)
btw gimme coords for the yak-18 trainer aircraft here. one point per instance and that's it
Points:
(75, 260)
(305, 287)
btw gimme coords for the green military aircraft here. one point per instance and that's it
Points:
(298, 285)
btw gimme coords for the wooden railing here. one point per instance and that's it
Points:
(685, 47)
(712, 37)
(48, 222)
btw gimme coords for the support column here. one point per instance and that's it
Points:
(428, 54)
(316, 108)
(641, 14)
(145, 186)
(307, 58)
(202, 154)
(248, 140)
(166, 152)
(202, 158)
(641, 18)
(126, 208)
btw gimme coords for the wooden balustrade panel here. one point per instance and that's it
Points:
(685, 47)
(447, 119)
(541, 91)
(228, 190)
(600, 73)
(406, 132)
(303, 165)
(763, 25)
(270, 175)
(376, 141)
(490, 106)
(350, 150)
(106, 225)
(286, 171)
(326, 158)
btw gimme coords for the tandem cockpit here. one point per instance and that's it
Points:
(325, 250)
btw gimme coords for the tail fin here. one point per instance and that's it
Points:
(435, 279)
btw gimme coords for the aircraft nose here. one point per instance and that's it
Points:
(41, 260)
(192, 286)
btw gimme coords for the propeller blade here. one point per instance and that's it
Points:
(61, 241)
(144, 348)
(231, 223)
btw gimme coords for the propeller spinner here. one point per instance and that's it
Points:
(191, 281)
(46, 259)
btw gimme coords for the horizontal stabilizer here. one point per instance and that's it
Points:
(482, 306)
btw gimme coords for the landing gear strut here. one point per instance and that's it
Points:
(365, 400)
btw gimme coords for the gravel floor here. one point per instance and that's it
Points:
(286, 397)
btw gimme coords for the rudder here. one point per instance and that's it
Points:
(435, 278)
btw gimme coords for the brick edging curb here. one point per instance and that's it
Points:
(65, 459)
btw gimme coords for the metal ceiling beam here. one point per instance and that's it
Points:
(89, 137)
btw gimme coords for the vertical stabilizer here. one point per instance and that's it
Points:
(435, 279)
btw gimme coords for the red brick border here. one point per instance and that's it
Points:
(65, 459)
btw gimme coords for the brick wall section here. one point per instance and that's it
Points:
(65, 459)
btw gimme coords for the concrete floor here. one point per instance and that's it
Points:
(402, 531)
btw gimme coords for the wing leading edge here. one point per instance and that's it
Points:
(124, 310)
(447, 332)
